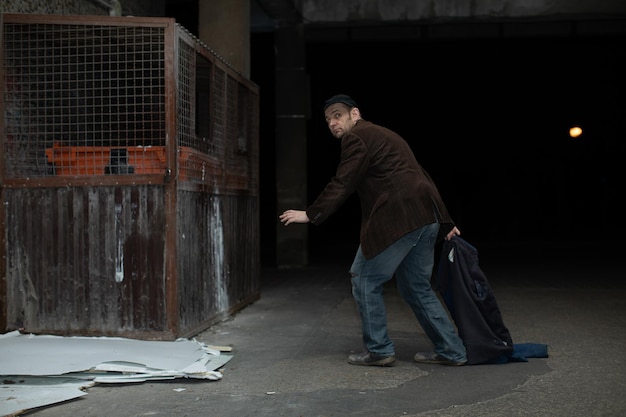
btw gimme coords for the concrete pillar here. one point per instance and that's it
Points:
(291, 143)
(224, 26)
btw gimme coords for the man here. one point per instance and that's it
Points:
(401, 214)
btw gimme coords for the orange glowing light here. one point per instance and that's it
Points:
(575, 131)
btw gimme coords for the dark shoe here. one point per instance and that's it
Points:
(370, 359)
(432, 357)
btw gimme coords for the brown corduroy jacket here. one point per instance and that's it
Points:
(397, 195)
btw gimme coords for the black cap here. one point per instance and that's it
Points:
(340, 98)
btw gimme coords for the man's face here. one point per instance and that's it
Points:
(339, 119)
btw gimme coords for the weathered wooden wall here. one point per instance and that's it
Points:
(87, 260)
(91, 260)
(217, 257)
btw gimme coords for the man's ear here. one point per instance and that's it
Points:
(355, 113)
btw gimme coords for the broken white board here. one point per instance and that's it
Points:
(30, 377)
(23, 393)
(21, 355)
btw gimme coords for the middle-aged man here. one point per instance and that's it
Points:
(402, 215)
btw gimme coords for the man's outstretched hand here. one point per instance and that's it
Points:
(293, 216)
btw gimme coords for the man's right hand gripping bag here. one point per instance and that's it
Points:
(472, 304)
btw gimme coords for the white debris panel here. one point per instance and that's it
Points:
(71, 364)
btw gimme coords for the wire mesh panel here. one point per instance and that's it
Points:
(198, 152)
(83, 99)
(217, 114)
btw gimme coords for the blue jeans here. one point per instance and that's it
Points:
(411, 259)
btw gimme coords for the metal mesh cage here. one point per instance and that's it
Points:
(74, 92)
(90, 97)
(128, 171)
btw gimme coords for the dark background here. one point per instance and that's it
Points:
(489, 119)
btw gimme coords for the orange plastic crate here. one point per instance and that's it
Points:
(196, 165)
(93, 160)
(147, 160)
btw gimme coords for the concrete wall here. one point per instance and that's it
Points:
(153, 8)
(316, 11)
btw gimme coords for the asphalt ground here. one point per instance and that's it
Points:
(290, 348)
